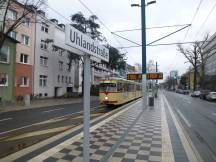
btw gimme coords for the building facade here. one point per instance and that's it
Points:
(55, 74)
(7, 70)
(24, 33)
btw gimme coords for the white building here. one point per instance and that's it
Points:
(53, 73)
(210, 67)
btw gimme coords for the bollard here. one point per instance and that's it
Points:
(27, 100)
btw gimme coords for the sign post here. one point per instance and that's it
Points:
(76, 39)
(86, 105)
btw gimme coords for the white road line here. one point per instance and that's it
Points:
(30, 149)
(64, 144)
(183, 117)
(1, 120)
(27, 126)
(214, 113)
(167, 150)
(192, 153)
(53, 110)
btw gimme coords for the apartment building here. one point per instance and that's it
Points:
(54, 72)
(7, 70)
(24, 33)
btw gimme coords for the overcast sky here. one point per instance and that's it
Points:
(119, 15)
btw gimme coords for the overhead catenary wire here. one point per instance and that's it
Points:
(163, 44)
(101, 22)
(204, 22)
(194, 16)
(155, 27)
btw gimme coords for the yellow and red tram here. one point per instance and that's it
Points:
(117, 91)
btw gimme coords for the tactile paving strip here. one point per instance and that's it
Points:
(141, 143)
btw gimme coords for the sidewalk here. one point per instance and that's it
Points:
(134, 134)
(46, 103)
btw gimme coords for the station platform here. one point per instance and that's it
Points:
(134, 134)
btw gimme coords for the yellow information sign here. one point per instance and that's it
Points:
(155, 76)
(149, 76)
(134, 76)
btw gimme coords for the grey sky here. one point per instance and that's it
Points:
(118, 15)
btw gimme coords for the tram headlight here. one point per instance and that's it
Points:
(106, 98)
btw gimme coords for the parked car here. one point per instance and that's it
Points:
(211, 96)
(195, 94)
(186, 92)
(203, 94)
(181, 91)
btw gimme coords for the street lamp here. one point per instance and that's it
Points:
(143, 20)
(138, 5)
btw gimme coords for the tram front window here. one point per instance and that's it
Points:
(107, 87)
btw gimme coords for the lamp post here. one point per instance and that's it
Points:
(143, 22)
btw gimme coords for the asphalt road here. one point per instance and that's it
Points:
(11, 121)
(199, 119)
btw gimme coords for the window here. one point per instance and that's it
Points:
(66, 79)
(58, 78)
(43, 45)
(62, 79)
(43, 61)
(44, 28)
(69, 67)
(13, 34)
(25, 40)
(3, 79)
(24, 58)
(24, 82)
(60, 65)
(69, 79)
(43, 81)
(26, 21)
(108, 87)
(12, 14)
(4, 54)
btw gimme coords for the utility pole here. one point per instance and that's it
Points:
(143, 22)
(156, 70)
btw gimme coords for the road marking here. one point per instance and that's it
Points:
(41, 144)
(53, 110)
(46, 121)
(192, 153)
(214, 113)
(37, 133)
(73, 139)
(167, 150)
(1, 120)
(183, 117)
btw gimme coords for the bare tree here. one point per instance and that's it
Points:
(8, 25)
(193, 57)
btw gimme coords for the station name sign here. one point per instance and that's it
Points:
(83, 42)
(148, 76)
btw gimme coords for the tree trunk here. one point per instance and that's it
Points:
(202, 76)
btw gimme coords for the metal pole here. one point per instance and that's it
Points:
(143, 53)
(86, 105)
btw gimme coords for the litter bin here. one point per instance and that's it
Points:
(151, 101)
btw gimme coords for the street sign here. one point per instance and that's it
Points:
(91, 48)
(134, 77)
(83, 42)
(154, 76)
